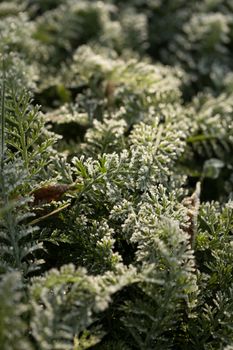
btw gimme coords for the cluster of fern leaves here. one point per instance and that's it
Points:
(116, 175)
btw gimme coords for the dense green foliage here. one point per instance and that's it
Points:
(116, 200)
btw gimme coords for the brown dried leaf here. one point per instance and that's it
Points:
(49, 193)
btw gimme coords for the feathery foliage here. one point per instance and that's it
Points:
(116, 139)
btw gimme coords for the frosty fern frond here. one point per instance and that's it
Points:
(25, 133)
(22, 159)
(13, 311)
(167, 284)
(66, 303)
(17, 238)
(213, 136)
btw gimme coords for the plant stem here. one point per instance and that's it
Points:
(24, 145)
(3, 113)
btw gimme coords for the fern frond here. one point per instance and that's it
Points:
(17, 238)
(24, 132)
(167, 284)
(66, 302)
(13, 311)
